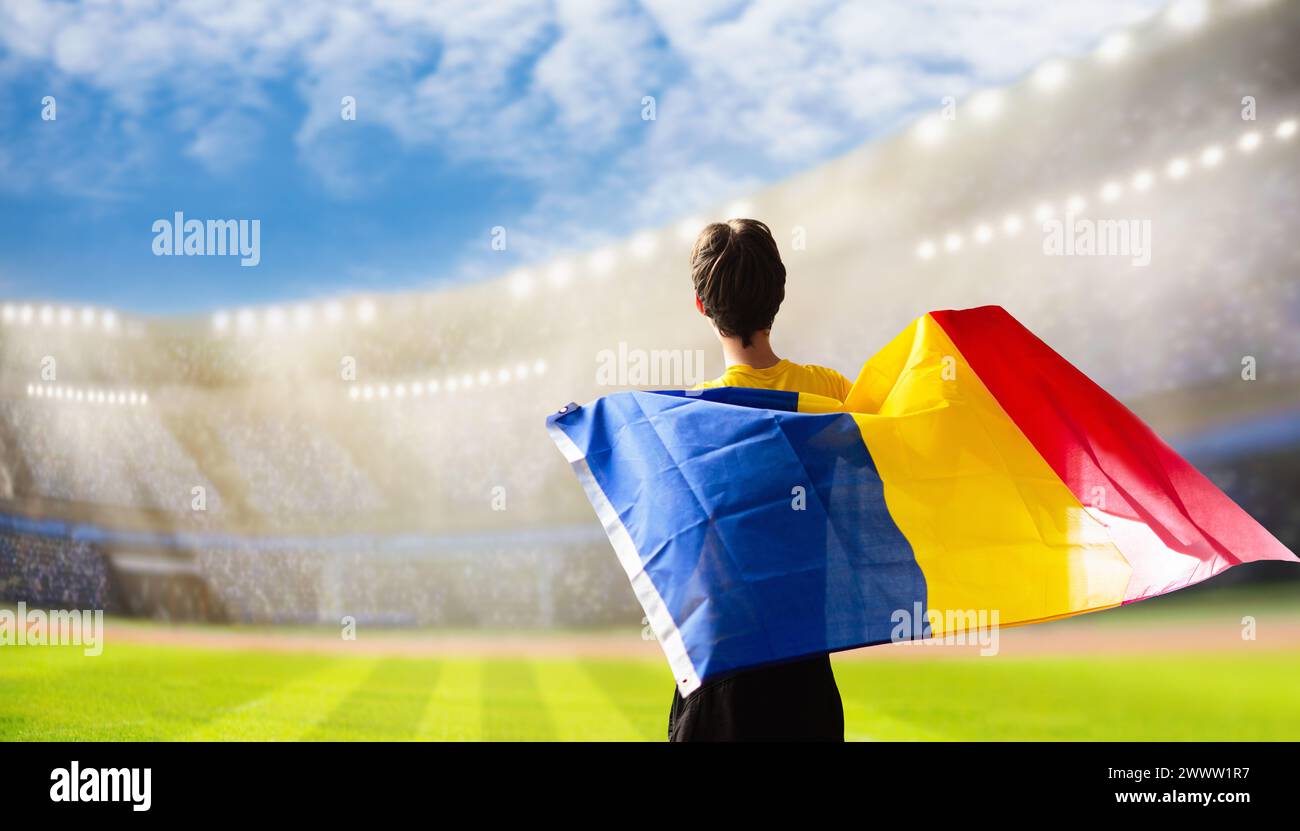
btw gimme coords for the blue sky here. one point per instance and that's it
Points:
(470, 115)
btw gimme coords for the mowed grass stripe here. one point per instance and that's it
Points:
(513, 708)
(293, 710)
(131, 692)
(1211, 696)
(455, 709)
(579, 709)
(641, 689)
(388, 704)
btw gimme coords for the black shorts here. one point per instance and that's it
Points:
(795, 701)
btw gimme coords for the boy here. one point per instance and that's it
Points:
(739, 285)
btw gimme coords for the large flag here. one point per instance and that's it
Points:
(971, 470)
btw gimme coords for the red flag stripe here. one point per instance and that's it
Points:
(1109, 459)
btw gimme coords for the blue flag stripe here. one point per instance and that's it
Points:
(764, 532)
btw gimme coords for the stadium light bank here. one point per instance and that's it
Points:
(299, 318)
(64, 317)
(1112, 189)
(455, 382)
(88, 395)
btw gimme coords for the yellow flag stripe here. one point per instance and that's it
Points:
(995, 531)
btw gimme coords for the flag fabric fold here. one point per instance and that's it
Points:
(971, 470)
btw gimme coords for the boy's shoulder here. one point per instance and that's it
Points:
(827, 381)
(824, 371)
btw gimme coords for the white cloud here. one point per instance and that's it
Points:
(225, 142)
(746, 91)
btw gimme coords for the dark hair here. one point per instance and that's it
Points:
(738, 276)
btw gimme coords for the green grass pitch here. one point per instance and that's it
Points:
(149, 692)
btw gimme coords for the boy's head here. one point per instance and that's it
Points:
(739, 277)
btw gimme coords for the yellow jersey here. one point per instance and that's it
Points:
(785, 375)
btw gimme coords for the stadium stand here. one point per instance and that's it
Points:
(114, 456)
(52, 572)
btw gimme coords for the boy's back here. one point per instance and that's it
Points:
(794, 700)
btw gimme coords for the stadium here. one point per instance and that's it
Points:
(234, 487)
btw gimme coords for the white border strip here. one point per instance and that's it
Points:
(656, 612)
